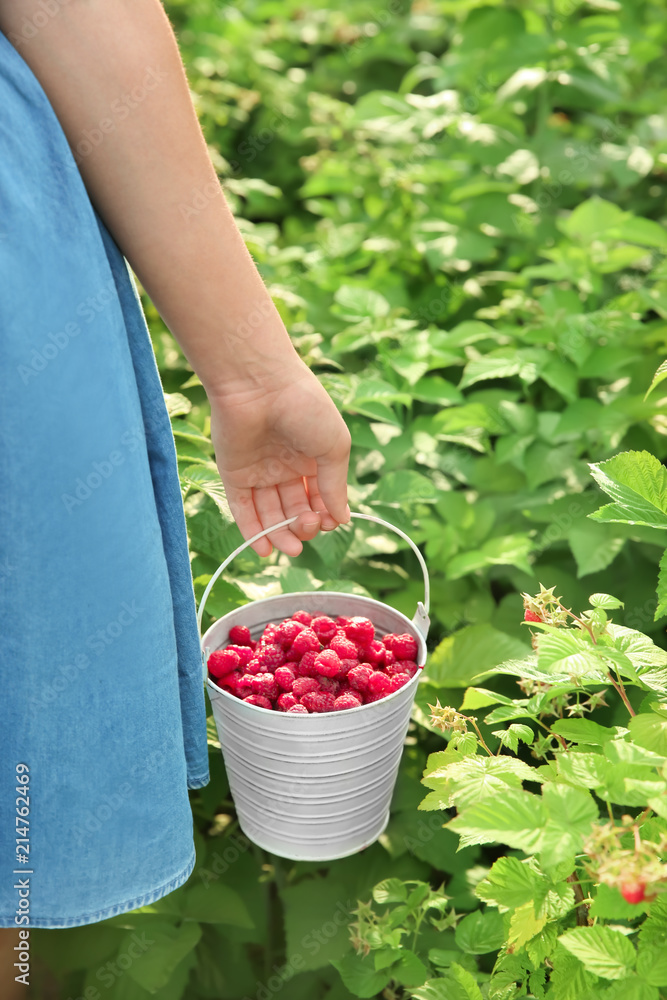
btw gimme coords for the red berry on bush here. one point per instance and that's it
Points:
(530, 616)
(633, 891)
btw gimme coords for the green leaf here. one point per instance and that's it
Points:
(509, 883)
(360, 977)
(608, 904)
(357, 302)
(410, 970)
(466, 980)
(652, 965)
(584, 731)
(524, 925)
(660, 376)
(603, 951)
(166, 946)
(392, 890)
(471, 653)
(605, 601)
(216, 903)
(650, 730)
(562, 652)
(637, 483)
(516, 819)
(308, 905)
(480, 932)
(475, 698)
(511, 736)
(507, 550)
(661, 609)
(476, 778)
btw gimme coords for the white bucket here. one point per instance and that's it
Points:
(313, 787)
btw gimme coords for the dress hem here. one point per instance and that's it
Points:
(110, 911)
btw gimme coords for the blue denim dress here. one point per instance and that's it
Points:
(102, 714)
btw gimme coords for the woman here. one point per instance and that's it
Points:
(102, 690)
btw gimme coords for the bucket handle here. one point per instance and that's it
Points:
(420, 621)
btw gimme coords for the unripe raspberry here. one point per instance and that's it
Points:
(306, 665)
(324, 628)
(298, 710)
(359, 676)
(327, 663)
(345, 648)
(318, 701)
(531, 616)
(304, 685)
(360, 630)
(270, 656)
(240, 635)
(399, 680)
(633, 891)
(286, 701)
(306, 641)
(288, 631)
(303, 617)
(223, 661)
(379, 683)
(345, 701)
(403, 646)
(402, 667)
(265, 684)
(259, 700)
(285, 677)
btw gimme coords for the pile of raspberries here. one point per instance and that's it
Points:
(313, 663)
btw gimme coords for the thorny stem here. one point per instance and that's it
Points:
(473, 722)
(560, 738)
(581, 907)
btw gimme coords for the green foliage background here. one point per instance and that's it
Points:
(458, 208)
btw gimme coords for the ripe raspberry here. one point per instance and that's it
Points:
(359, 676)
(265, 684)
(304, 685)
(244, 686)
(327, 663)
(408, 667)
(379, 683)
(360, 630)
(399, 680)
(306, 641)
(348, 700)
(318, 701)
(286, 701)
(298, 710)
(347, 665)
(230, 681)
(403, 646)
(345, 648)
(270, 634)
(288, 631)
(633, 892)
(285, 677)
(373, 652)
(306, 665)
(253, 666)
(342, 622)
(370, 698)
(530, 616)
(329, 684)
(223, 661)
(246, 653)
(324, 628)
(270, 656)
(240, 635)
(259, 700)
(303, 617)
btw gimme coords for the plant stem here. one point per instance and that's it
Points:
(621, 690)
(473, 722)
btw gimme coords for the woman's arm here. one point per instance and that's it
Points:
(113, 73)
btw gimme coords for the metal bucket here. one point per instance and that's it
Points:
(313, 787)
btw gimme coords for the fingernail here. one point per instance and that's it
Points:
(311, 525)
(348, 513)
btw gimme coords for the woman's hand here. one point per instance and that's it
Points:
(282, 448)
